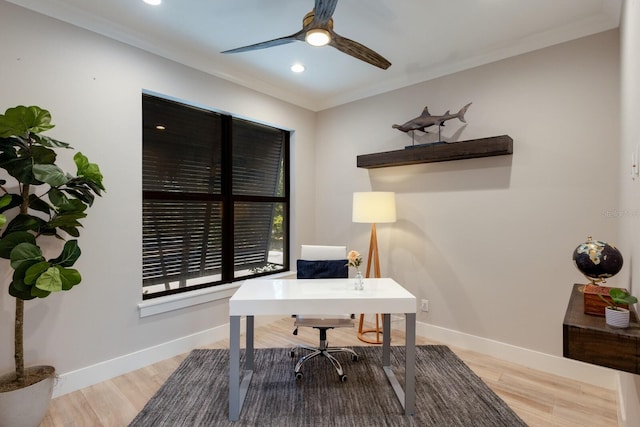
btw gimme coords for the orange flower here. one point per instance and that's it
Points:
(354, 259)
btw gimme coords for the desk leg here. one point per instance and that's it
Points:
(234, 368)
(237, 388)
(386, 359)
(386, 340)
(248, 361)
(406, 397)
(410, 364)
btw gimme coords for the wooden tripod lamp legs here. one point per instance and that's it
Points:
(377, 330)
(372, 259)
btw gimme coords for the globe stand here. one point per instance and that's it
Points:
(593, 302)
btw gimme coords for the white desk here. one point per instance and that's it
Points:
(319, 296)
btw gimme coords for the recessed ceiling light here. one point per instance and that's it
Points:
(153, 2)
(160, 127)
(297, 68)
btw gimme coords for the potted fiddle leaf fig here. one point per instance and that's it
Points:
(615, 314)
(38, 202)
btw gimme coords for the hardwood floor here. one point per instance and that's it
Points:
(540, 399)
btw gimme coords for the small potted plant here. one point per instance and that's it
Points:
(615, 315)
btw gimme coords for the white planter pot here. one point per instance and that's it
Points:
(26, 407)
(617, 318)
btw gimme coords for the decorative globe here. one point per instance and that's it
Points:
(597, 260)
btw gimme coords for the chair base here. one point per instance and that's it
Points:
(326, 351)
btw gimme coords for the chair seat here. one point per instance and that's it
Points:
(325, 321)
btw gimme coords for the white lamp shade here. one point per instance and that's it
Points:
(374, 207)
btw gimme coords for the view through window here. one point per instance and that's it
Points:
(215, 198)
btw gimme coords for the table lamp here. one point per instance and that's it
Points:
(373, 208)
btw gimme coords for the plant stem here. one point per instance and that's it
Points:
(19, 319)
(19, 341)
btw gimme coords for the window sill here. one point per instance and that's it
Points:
(189, 299)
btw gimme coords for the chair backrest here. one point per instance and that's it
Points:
(318, 253)
(322, 262)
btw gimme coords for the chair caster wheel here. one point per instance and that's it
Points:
(299, 375)
(354, 357)
(343, 378)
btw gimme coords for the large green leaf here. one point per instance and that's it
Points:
(82, 162)
(71, 231)
(49, 142)
(70, 254)
(7, 144)
(80, 193)
(20, 169)
(46, 231)
(34, 271)
(23, 294)
(21, 120)
(36, 292)
(66, 220)
(21, 286)
(36, 203)
(9, 147)
(51, 174)
(57, 198)
(14, 201)
(50, 280)
(42, 155)
(10, 241)
(13, 143)
(18, 277)
(5, 200)
(24, 223)
(90, 171)
(71, 206)
(69, 277)
(24, 252)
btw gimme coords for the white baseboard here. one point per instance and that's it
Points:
(622, 403)
(90, 375)
(85, 377)
(568, 368)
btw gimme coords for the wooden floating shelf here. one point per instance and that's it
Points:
(439, 152)
(589, 339)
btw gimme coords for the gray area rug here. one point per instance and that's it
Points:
(448, 393)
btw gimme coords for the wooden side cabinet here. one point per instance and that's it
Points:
(588, 338)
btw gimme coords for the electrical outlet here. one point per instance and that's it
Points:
(424, 305)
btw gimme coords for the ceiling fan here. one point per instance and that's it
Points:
(317, 30)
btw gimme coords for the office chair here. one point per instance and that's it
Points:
(322, 262)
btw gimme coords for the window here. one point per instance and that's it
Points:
(215, 198)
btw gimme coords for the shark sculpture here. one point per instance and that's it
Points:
(425, 120)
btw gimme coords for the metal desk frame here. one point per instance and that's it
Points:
(359, 301)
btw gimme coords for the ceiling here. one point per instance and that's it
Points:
(423, 39)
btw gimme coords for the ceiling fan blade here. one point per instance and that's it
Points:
(358, 51)
(270, 43)
(323, 11)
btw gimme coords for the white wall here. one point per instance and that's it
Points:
(630, 189)
(92, 86)
(488, 241)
